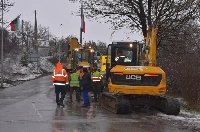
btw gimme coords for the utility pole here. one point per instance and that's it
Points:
(81, 29)
(2, 9)
(60, 41)
(36, 40)
(2, 43)
(22, 34)
(81, 36)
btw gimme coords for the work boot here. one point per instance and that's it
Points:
(85, 105)
(95, 100)
(78, 99)
(62, 104)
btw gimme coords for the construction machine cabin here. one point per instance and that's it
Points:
(79, 56)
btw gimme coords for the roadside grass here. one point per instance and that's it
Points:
(186, 107)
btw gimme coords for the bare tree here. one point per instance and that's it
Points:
(27, 34)
(179, 58)
(6, 7)
(6, 40)
(139, 14)
(43, 32)
(102, 48)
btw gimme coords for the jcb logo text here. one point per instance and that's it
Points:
(133, 77)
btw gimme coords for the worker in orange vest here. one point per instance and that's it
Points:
(60, 80)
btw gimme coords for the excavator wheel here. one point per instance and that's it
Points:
(114, 103)
(170, 106)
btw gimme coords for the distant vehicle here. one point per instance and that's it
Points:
(79, 56)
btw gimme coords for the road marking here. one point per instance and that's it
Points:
(37, 112)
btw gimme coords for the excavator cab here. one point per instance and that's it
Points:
(121, 53)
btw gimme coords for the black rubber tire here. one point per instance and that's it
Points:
(171, 106)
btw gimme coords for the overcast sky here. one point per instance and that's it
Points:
(52, 13)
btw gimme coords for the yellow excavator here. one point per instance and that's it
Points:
(79, 56)
(133, 79)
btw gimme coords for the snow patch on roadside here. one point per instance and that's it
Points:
(16, 72)
(189, 118)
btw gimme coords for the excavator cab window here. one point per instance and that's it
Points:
(120, 53)
(82, 55)
(123, 55)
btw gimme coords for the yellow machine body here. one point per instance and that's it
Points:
(138, 70)
(73, 45)
(103, 63)
(84, 64)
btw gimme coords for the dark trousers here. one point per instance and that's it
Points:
(86, 98)
(96, 90)
(77, 90)
(60, 89)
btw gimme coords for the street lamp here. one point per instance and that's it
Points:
(60, 42)
(2, 44)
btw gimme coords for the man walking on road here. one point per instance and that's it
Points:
(59, 80)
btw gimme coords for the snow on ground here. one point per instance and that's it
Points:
(16, 72)
(6, 85)
(189, 118)
(46, 65)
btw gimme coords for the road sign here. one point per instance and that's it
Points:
(33, 57)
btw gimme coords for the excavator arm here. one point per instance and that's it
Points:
(151, 41)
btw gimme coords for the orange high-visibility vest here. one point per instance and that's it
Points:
(59, 76)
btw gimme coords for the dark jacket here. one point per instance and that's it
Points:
(86, 81)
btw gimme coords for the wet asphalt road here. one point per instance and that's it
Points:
(31, 107)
